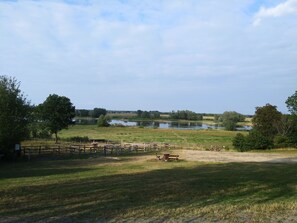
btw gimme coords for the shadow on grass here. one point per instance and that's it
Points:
(172, 192)
(47, 165)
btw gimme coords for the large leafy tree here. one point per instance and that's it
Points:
(14, 115)
(266, 120)
(57, 113)
(292, 107)
(292, 103)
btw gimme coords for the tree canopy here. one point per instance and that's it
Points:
(230, 119)
(14, 115)
(292, 103)
(57, 113)
(266, 120)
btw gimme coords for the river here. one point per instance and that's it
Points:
(161, 125)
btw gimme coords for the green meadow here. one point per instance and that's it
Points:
(184, 138)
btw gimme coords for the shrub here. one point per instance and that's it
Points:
(103, 121)
(281, 141)
(256, 140)
(240, 143)
(83, 139)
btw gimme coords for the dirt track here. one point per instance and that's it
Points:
(210, 156)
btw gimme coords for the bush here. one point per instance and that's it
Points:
(240, 143)
(282, 141)
(256, 140)
(83, 139)
(103, 121)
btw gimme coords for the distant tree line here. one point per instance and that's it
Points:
(148, 114)
(94, 113)
(185, 115)
(271, 128)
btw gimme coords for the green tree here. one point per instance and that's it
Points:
(103, 121)
(57, 113)
(292, 103)
(286, 125)
(266, 120)
(14, 115)
(230, 119)
(266, 125)
(38, 129)
(292, 107)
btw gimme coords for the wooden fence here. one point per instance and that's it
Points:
(104, 149)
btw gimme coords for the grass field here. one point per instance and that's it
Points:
(140, 188)
(186, 138)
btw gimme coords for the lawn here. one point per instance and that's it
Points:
(185, 138)
(140, 188)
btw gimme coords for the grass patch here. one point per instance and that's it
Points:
(191, 138)
(139, 189)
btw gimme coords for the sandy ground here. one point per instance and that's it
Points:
(210, 156)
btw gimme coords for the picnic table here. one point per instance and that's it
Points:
(167, 157)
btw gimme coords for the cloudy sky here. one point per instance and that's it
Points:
(202, 55)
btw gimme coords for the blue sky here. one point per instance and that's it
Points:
(205, 56)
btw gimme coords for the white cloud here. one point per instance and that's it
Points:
(282, 9)
(120, 53)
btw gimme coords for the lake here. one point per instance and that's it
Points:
(161, 125)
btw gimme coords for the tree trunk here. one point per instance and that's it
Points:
(56, 137)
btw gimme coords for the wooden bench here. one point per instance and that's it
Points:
(173, 157)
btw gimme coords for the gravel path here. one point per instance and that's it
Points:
(210, 156)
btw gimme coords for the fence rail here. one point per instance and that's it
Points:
(104, 149)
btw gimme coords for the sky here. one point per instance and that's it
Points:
(207, 56)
